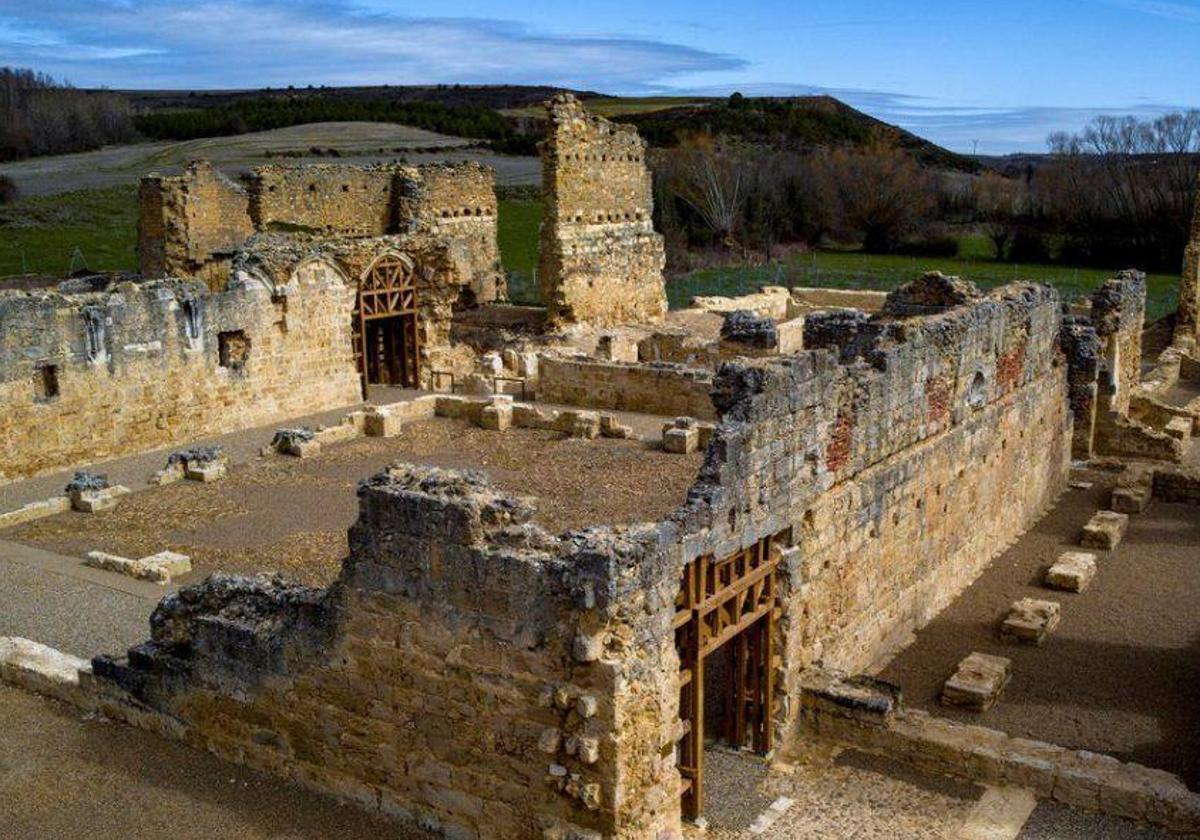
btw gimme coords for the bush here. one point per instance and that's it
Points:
(928, 245)
(1029, 246)
(8, 189)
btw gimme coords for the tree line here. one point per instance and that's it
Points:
(42, 116)
(1119, 193)
(283, 111)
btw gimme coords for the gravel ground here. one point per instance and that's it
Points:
(1051, 821)
(858, 797)
(1119, 675)
(280, 513)
(63, 777)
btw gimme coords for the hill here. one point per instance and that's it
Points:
(509, 117)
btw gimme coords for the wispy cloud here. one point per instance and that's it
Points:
(1178, 11)
(235, 43)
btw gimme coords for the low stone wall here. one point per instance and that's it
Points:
(1175, 485)
(868, 715)
(665, 389)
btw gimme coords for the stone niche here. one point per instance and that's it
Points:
(600, 261)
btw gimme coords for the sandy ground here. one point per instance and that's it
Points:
(357, 143)
(63, 776)
(280, 513)
(1119, 675)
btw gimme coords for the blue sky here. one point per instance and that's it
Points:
(1002, 73)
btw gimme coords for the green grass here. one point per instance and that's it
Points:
(40, 235)
(855, 270)
(59, 234)
(517, 232)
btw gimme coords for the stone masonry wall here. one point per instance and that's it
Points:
(472, 673)
(96, 374)
(191, 225)
(458, 203)
(600, 261)
(901, 469)
(1187, 328)
(327, 198)
(655, 388)
(467, 672)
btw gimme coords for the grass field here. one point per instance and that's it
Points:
(854, 270)
(98, 229)
(347, 142)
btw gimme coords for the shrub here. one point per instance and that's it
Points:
(8, 189)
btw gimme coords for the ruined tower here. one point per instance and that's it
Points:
(600, 260)
(1187, 329)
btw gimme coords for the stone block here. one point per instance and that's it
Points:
(1130, 499)
(206, 472)
(381, 423)
(167, 475)
(497, 417)
(95, 501)
(306, 449)
(45, 670)
(978, 682)
(581, 424)
(1030, 620)
(1179, 428)
(1072, 571)
(681, 441)
(157, 568)
(531, 417)
(35, 510)
(611, 428)
(1105, 530)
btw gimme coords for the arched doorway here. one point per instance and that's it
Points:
(386, 337)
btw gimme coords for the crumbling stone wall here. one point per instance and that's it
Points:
(1187, 326)
(139, 365)
(467, 672)
(600, 261)
(458, 203)
(190, 225)
(653, 388)
(327, 198)
(473, 673)
(876, 460)
(1119, 316)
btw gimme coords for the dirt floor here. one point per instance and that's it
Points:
(1120, 673)
(283, 514)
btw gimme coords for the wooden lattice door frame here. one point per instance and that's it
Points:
(727, 601)
(388, 290)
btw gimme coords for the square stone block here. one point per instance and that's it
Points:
(206, 472)
(1030, 620)
(1072, 571)
(1105, 530)
(1130, 499)
(497, 417)
(1179, 428)
(95, 501)
(166, 565)
(978, 682)
(305, 449)
(681, 441)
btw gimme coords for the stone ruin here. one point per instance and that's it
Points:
(468, 671)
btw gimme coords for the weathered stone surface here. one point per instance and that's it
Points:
(36, 667)
(978, 682)
(1130, 499)
(158, 568)
(1104, 530)
(1072, 571)
(35, 510)
(600, 260)
(1030, 620)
